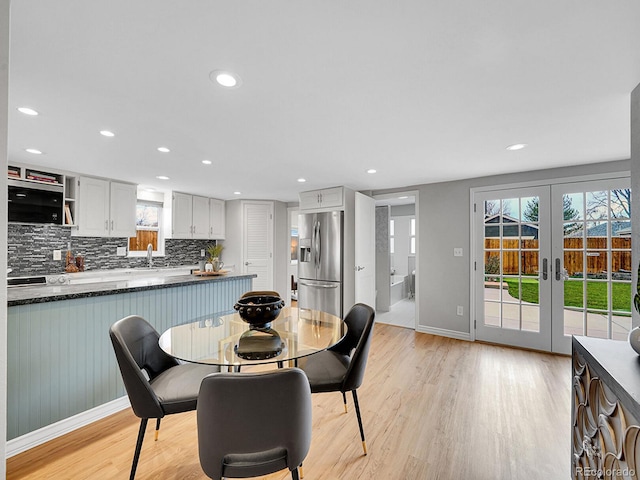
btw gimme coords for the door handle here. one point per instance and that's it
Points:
(358, 268)
(558, 274)
(247, 263)
(317, 285)
(545, 266)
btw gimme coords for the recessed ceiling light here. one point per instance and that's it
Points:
(226, 79)
(33, 150)
(302, 180)
(107, 133)
(27, 111)
(517, 146)
(237, 193)
(162, 177)
(206, 162)
(163, 149)
(371, 170)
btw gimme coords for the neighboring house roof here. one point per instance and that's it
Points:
(618, 229)
(493, 231)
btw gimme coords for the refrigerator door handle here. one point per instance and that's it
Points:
(319, 245)
(316, 230)
(318, 285)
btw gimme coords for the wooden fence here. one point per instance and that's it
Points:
(526, 259)
(142, 239)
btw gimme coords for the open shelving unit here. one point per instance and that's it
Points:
(39, 175)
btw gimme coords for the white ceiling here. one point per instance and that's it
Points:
(423, 91)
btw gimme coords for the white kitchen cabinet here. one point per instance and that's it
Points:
(105, 209)
(182, 215)
(190, 216)
(216, 219)
(122, 212)
(200, 217)
(324, 198)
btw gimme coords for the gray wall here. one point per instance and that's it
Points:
(383, 262)
(635, 188)
(444, 223)
(30, 250)
(4, 110)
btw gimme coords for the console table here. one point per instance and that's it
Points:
(605, 410)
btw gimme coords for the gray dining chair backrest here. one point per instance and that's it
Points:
(356, 343)
(252, 424)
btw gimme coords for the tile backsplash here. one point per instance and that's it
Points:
(30, 250)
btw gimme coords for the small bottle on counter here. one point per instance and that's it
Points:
(71, 266)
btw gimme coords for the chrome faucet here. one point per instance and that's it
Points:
(150, 255)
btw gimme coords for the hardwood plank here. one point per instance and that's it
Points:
(433, 408)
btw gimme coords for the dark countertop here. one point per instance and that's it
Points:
(41, 294)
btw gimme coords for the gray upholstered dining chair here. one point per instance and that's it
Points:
(157, 383)
(341, 367)
(253, 424)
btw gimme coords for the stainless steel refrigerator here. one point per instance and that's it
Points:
(320, 261)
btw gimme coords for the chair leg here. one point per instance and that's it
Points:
(294, 474)
(136, 455)
(344, 400)
(301, 471)
(157, 429)
(355, 402)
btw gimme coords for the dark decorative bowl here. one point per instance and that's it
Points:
(260, 309)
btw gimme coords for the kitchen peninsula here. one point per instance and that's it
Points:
(62, 372)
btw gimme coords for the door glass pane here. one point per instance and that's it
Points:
(597, 295)
(597, 325)
(512, 263)
(597, 205)
(573, 206)
(574, 293)
(531, 318)
(621, 203)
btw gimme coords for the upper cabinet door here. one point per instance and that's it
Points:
(331, 197)
(123, 210)
(322, 199)
(200, 217)
(93, 207)
(216, 219)
(182, 215)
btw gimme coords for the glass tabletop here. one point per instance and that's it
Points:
(227, 340)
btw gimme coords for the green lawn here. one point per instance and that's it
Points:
(573, 294)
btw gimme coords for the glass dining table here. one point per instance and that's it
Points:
(227, 340)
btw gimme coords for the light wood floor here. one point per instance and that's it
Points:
(433, 408)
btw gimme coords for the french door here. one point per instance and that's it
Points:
(553, 261)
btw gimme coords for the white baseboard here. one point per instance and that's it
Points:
(44, 434)
(443, 332)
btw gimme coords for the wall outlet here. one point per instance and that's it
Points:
(460, 310)
(121, 251)
(457, 252)
(57, 254)
(202, 253)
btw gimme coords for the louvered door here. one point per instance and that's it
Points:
(257, 251)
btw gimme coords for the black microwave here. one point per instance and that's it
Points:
(31, 202)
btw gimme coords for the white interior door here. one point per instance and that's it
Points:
(257, 238)
(591, 260)
(513, 281)
(365, 254)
